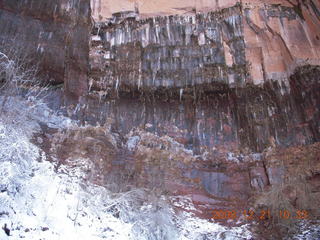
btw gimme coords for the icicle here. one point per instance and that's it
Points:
(112, 41)
(193, 19)
(154, 77)
(90, 84)
(99, 27)
(140, 76)
(76, 109)
(100, 96)
(157, 34)
(117, 84)
(168, 30)
(54, 11)
(181, 93)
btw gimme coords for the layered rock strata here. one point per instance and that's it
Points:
(251, 118)
(248, 43)
(180, 45)
(172, 51)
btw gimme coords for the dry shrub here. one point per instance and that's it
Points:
(296, 192)
(91, 147)
(18, 74)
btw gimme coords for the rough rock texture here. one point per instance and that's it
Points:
(152, 45)
(209, 132)
(251, 42)
(232, 149)
(54, 33)
(143, 159)
(175, 51)
(224, 73)
(251, 118)
(280, 38)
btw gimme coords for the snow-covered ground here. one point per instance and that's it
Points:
(38, 203)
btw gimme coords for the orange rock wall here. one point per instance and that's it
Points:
(276, 45)
(102, 9)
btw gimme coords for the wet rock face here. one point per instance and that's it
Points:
(200, 71)
(163, 45)
(246, 119)
(171, 51)
(247, 43)
(305, 85)
(54, 33)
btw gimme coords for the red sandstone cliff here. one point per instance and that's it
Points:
(256, 42)
(252, 43)
(157, 57)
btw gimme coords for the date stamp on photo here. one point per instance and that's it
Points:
(251, 215)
